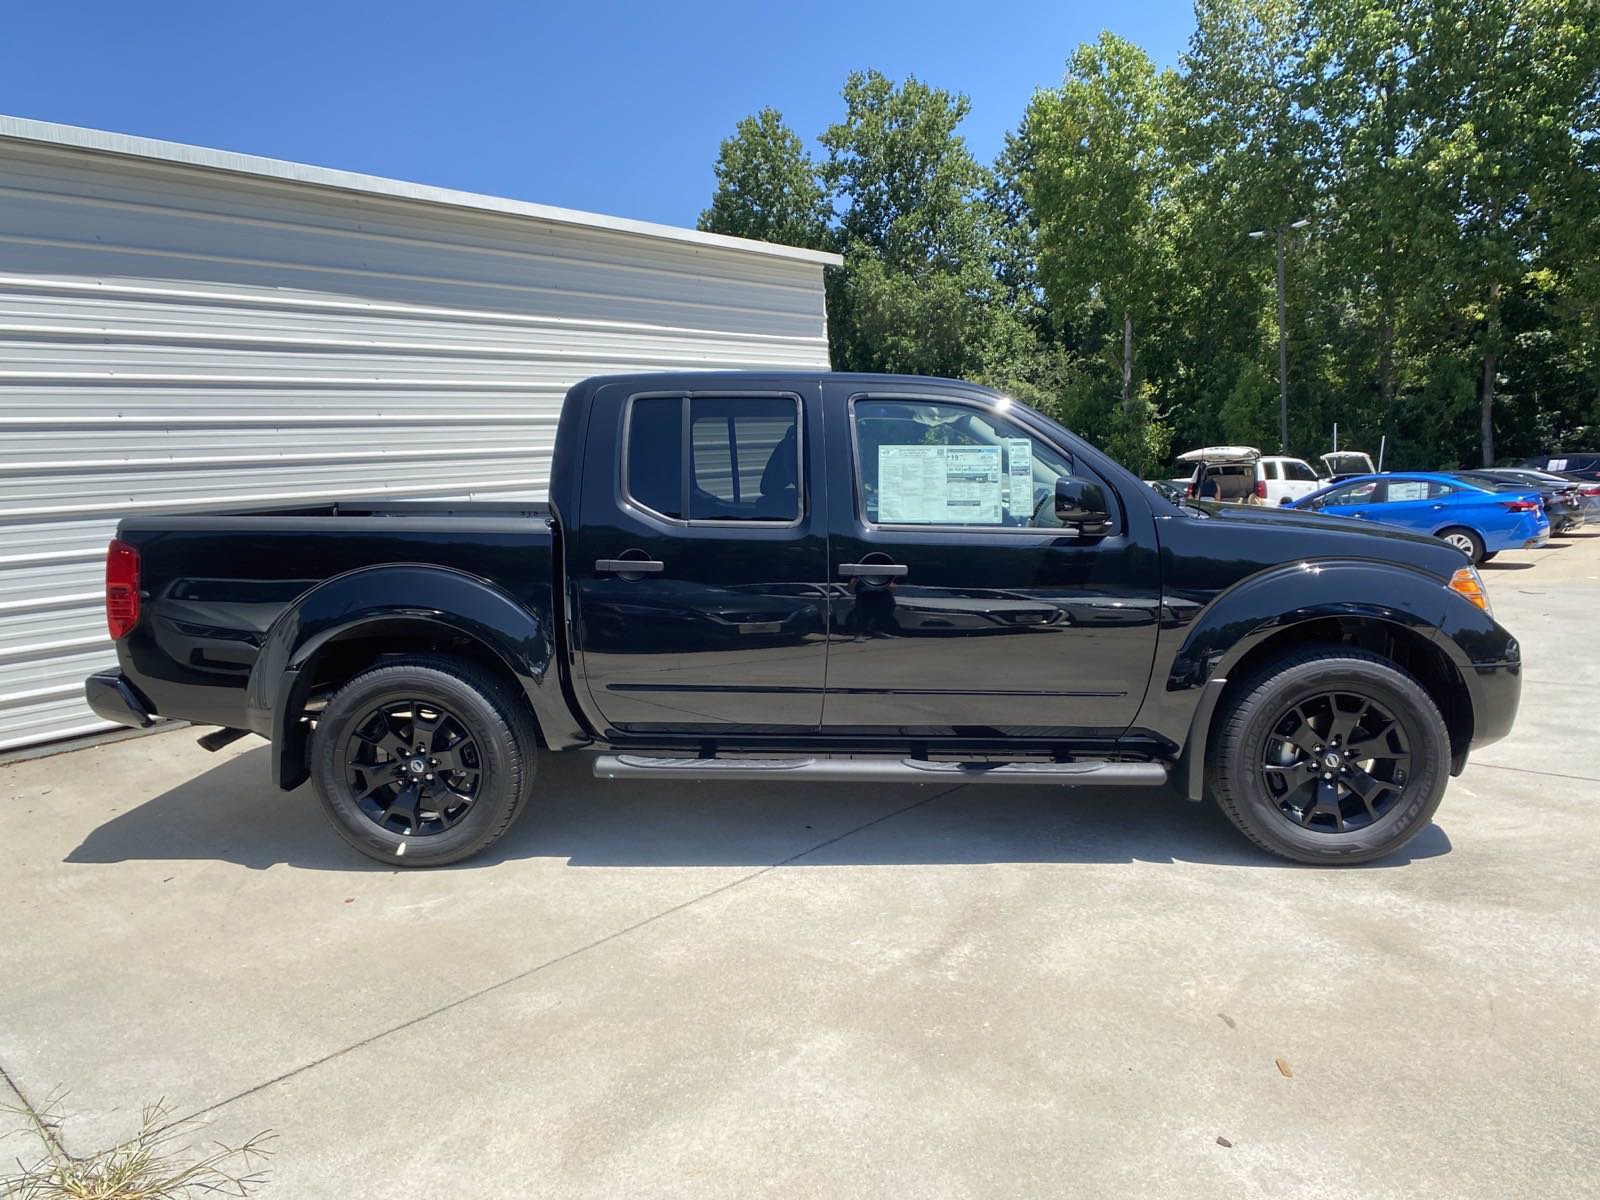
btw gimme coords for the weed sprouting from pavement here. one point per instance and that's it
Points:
(159, 1162)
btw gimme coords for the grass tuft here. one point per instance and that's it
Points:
(159, 1162)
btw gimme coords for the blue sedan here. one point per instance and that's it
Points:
(1477, 520)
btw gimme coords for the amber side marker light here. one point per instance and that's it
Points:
(1466, 582)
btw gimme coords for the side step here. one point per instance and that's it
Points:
(882, 770)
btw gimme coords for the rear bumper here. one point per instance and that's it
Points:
(113, 698)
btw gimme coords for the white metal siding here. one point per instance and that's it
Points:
(186, 334)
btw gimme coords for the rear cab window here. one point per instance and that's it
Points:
(714, 458)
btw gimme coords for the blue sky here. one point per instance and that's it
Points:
(607, 106)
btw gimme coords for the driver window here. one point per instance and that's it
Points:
(920, 462)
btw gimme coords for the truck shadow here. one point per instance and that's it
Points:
(232, 813)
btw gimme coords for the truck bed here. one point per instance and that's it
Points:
(212, 584)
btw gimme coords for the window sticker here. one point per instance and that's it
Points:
(1557, 464)
(943, 485)
(1019, 473)
(1408, 489)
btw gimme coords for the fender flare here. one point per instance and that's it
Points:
(370, 598)
(1241, 619)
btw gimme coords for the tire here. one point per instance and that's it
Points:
(1465, 540)
(1487, 555)
(1277, 723)
(366, 739)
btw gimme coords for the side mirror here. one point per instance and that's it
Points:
(1082, 503)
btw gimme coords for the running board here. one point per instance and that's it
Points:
(882, 770)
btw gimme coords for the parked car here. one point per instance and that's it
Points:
(1576, 464)
(1478, 519)
(1243, 475)
(821, 578)
(1562, 497)
(1588, 496)
(1347, 464)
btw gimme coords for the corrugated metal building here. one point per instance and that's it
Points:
(185, 328)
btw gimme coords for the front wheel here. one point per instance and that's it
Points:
(424, 760)
(1464, 540)
(1330, 755)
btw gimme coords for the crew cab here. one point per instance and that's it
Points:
(817, 578)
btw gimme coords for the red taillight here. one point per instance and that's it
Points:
(1589, 489)
(1261, 489)
(1190, 490)
(122, 589)
(1520, 505)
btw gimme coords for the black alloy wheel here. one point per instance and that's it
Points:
(412, 767)
(1329, 754)
(424, 759)
(1336, 762)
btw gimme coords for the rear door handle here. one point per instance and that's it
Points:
(874, 569)
(629, 566)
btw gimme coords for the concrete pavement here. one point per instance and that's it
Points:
(698, 991)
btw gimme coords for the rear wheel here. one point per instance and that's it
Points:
(423, 761)
(1330, 755)
(1464, 540)
(1487, 555)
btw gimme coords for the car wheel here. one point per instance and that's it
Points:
(424, 760)
(1330, 755)
(1487, 555)
(1464, 540)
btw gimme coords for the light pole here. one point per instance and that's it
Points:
(1283, 334)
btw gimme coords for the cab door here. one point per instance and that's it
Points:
(961, 606)
(698, 562)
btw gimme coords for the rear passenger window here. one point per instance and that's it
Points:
(1299, 472)
(741, 462)
(746, 464)
(1407, 489)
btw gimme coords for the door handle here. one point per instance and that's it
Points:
(873, 569)
(629, 566)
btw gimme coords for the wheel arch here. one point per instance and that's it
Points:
(351, 622)
(1240, 633)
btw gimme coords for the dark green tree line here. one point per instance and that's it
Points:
(1445, 292)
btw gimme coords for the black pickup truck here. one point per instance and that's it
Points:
(824, 578)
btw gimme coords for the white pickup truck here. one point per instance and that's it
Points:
(1243, 475)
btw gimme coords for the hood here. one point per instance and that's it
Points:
(1345, 536)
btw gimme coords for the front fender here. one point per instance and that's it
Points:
(368, 600)
(1243, 617)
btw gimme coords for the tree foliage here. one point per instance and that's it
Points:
(767, 186)
(1445, 293)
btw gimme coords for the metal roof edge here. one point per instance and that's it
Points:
(102, 141)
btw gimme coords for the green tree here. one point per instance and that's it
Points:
(767, 186)
(1499, 147)
(1103, 189)
(916, 293)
